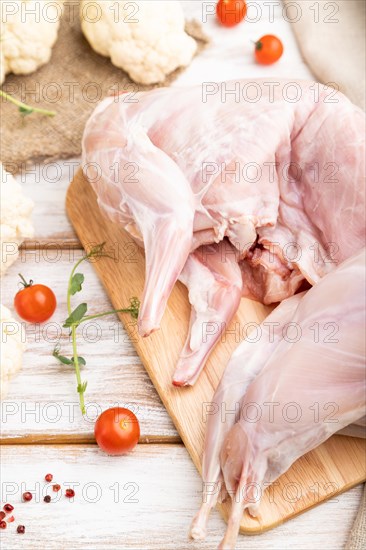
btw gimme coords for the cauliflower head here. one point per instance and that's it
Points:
(12, 348)
(15, 219)
(28, 32)
(144, 38)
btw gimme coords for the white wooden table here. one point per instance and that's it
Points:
(144, 500)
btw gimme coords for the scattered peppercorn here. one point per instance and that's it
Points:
(56, 487)
(27, 496)
(8, 508)
(48, 477)
(21, 529)
(11, 519)
(2, 524)
(2, 515)
(47, 498)
(69, 493)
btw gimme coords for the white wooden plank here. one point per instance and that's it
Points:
(42, 403)
(46, 185)
(167, 494)
(230, 53)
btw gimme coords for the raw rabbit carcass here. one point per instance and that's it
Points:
(242, 196)
(278, 177)
(213, 278)
(290, 393)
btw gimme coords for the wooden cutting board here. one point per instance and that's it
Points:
(333, 467)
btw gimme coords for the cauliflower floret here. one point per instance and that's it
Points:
(144, 38)
(28, 32)
(15, 219)
(12, 348)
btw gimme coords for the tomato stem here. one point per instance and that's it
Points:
(258, 45)
(24, 282)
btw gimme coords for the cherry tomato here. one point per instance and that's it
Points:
(231, 12)
(117, 431)
(268, 49)
(34, 303)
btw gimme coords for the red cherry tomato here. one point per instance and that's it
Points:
(231, 12)
(268, 49)
(35, 303)
(117, 431)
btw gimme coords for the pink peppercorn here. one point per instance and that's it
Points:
(8, 508)
(21, 529)
(56, 487)
(2, 524)
(69, 493)
(27, 496)
(48, 477)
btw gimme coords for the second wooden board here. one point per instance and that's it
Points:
(333, 467)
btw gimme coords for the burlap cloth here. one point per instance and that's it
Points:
(72, 83)
(332, 39)
(357, 537)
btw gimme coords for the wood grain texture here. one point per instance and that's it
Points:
(46, 185)
(167, 490)
(42, 403)
(336, 465)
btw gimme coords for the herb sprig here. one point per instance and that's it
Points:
(25, 109)
(78, 315)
